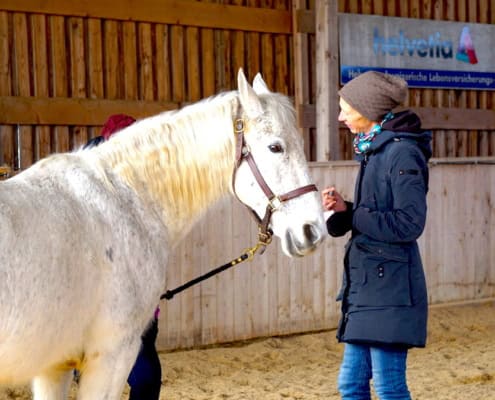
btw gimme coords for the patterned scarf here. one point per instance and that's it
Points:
(362, 141)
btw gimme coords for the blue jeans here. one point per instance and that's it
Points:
(385, 365)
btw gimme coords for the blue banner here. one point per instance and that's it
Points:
(426, 53)
(429, 78)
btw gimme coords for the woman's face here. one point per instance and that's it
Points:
(353, 120)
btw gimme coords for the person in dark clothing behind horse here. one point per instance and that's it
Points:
(384, 298)
(145, 378)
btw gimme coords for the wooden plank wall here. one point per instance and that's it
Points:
(438, 106)
(65, 67)
(275, 295)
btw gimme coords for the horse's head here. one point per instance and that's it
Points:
(276, 148)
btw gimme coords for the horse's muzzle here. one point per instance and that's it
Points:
(294, 246)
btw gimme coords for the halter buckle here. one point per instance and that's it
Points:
(239, 125)
(264, 238)
(245, 150)
(274, 202)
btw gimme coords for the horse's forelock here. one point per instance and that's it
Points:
(280, 107)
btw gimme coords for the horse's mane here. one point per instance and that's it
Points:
(181, 160)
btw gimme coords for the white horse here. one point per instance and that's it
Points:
(85, 236)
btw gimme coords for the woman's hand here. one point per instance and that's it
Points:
(331, 200)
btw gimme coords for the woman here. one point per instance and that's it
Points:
(384, 298)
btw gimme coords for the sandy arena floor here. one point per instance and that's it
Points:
(457, 364)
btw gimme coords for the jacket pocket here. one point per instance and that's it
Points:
(386, 276)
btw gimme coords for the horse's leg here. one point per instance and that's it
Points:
(105, 375)
(52, 385)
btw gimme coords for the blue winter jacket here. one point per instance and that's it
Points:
(384, 298)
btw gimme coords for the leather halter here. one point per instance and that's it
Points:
(274, 202)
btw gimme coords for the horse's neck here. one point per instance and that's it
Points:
(180, 163)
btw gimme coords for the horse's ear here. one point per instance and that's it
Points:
(259, 85)
(248, 97)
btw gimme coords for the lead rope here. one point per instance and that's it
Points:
(248, 255)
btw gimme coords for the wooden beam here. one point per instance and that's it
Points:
(327, 80)
(18, 110)
(431, 118)
(175, 12)
(301, 73)
(456, 118)
(21, 110)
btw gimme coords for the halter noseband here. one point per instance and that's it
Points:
(274, 201)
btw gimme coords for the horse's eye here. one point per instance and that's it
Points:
(276, 148)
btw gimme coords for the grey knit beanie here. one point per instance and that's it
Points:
(373, 94)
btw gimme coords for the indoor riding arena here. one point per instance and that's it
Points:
(265, 328)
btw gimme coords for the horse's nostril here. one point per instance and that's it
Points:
(311, 233)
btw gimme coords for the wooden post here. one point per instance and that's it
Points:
(59, 85)
(22, 87)
(327, 80)
(6, 132)
(301, 72)
(95, 65)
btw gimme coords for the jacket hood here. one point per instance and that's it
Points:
(404, 121)
(407, 125)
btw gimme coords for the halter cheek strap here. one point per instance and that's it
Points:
(244, 154)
